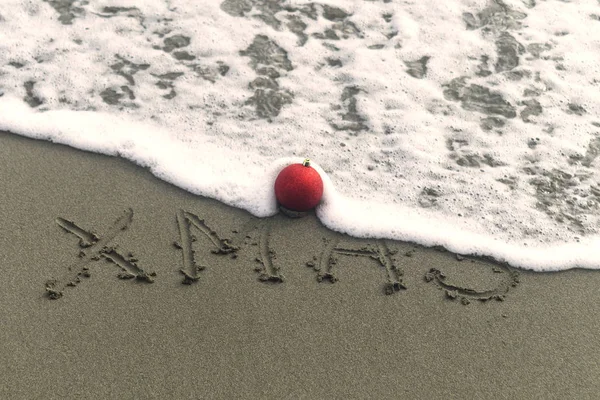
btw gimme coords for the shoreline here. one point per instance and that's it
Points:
(271, 308)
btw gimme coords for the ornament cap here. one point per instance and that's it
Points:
(306, 162)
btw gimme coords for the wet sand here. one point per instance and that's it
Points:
(159, 293)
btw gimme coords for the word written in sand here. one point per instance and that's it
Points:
(94, 247)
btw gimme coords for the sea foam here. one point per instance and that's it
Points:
(473, 125)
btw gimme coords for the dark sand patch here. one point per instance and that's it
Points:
(234, 334)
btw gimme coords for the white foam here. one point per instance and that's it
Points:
(207, 140)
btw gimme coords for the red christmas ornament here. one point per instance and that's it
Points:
(299, 187)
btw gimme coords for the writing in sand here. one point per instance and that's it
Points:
(191, 228)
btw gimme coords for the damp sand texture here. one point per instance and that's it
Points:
(231, 333)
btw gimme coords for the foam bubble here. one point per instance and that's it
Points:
(471, 125)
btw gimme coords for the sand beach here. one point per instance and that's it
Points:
(163, 294)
